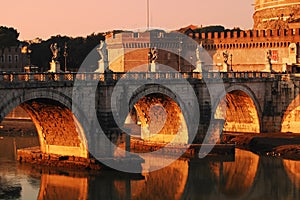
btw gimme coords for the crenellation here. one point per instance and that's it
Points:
(262, 33)
(228, 34)
(209, 35)
(255, 34)
(249, 33)
(236, 34)
(242, 34)
(216, 35)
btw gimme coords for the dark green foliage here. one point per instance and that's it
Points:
(77, 49)
(8, 37)
(207, 29)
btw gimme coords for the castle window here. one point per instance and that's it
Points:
(161, 35)
(135, 35)
(16, 58)
(2, 58)
(9, 58)
(169, 56)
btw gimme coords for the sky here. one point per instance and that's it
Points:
(46, 18)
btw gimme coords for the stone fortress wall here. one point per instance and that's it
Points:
(248, 50)
(272, 44)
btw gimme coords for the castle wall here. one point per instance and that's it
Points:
(249, 50)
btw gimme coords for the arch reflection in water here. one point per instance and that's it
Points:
(293, 170)
(236, 178)
(248, 177)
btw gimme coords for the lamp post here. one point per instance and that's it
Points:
(191, 63)
(179, 51)
(65, 55)
(29, 60)
(231, 62)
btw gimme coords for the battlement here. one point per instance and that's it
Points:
(239, 34)
(248, 38)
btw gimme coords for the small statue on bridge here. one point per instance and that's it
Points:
(268, 67)
(199, 61)
(103, 61)
(226, 56)
(102, 51)
(153, 55)
(55, 50)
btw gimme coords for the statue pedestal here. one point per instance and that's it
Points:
(102, 66)
(268, 68)
(199, 66)
(225, 68)
(54, 66)
(152, 67)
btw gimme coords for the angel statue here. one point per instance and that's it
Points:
(226, 56)
(54, 48)
(102, 51)
(153, 55)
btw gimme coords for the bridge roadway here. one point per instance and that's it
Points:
(257, 102)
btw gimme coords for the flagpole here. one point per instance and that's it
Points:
(148, 13)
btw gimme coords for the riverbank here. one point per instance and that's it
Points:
(285, 145)
(17, 127)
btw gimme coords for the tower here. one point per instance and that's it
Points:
(276, 14)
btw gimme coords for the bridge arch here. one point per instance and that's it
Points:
(243, 112)
(291, 117)
(59, 130)
(161, 114)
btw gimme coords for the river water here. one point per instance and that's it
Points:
(247, 176)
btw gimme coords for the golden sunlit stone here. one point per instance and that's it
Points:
(161, 120)
(291, 118)
(241, 114)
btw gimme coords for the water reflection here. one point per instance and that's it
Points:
(248, 177)
(236, 178)
(293, 170)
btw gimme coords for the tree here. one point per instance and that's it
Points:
(8, 37)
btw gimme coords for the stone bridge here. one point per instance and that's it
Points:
(255, 102)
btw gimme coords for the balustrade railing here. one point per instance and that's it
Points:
(46, 77)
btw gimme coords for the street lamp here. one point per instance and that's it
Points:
(191, 64)
(231, 62)
(179, 51)
(65, 55)
(28, 54)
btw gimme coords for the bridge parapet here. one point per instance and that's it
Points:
(116, 76)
